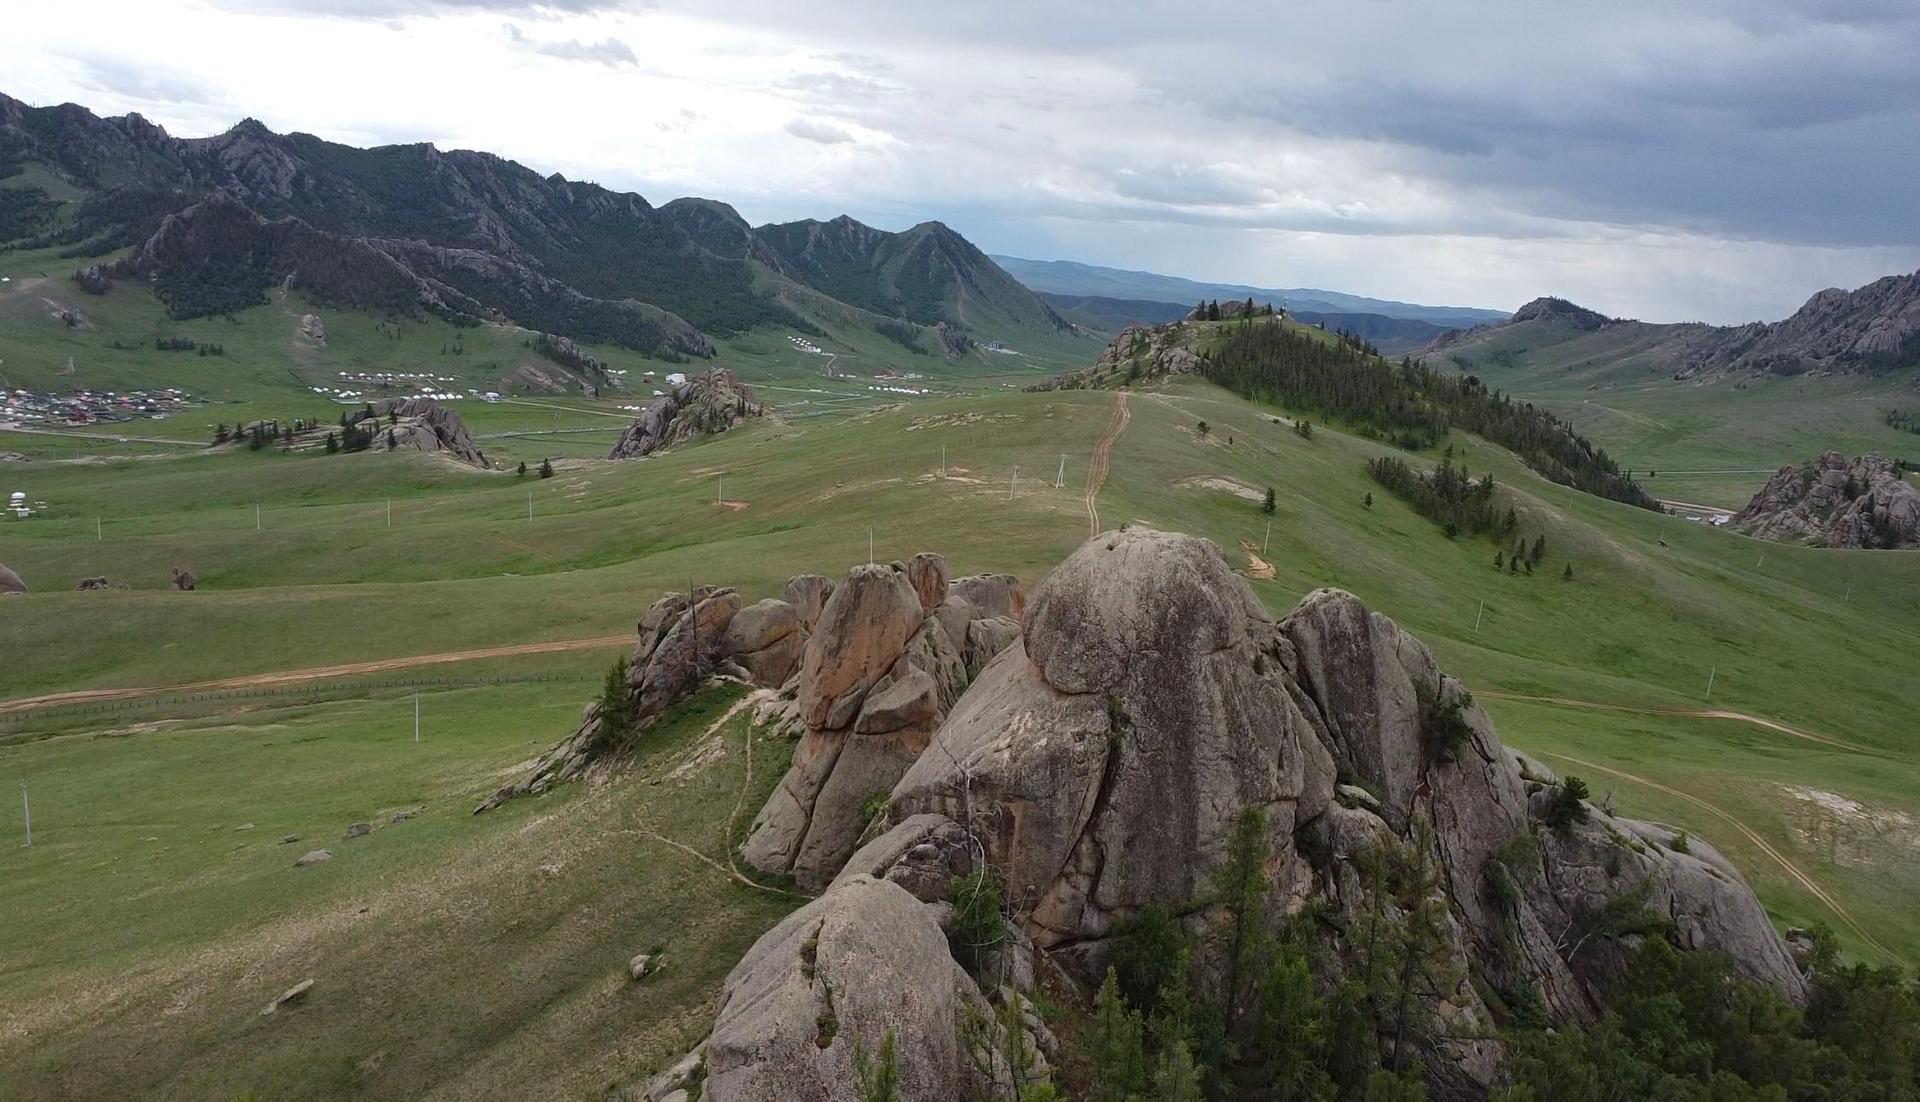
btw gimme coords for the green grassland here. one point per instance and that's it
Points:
(475, 973)
(1710, 440)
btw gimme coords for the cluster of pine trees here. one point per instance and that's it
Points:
(1449, 496)
(1408, 403)
(1905, 420)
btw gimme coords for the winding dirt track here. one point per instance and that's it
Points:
(1759, 843)
(312, 673)
(1102, 453)
(1684, 713)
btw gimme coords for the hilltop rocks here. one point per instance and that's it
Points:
(312, 328)
(419, 425)
(183, 579)
(1139, 353)
(1836, 502)
(880, 669)
(705, 404)
(10, 582)
(1100, 763)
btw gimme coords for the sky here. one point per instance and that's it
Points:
(1669, 160)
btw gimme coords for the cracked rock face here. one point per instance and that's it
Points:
(890, 651)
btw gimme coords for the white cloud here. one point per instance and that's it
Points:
(1646, 158)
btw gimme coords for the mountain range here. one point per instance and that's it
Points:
(1873, 329)
(1066, 277)
(213, 223)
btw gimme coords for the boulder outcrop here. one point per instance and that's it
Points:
(10, 582)
(890, 651)
(1139, 353)
(1834, 501)
(419, 425)
(1100, 763)
(708, 403)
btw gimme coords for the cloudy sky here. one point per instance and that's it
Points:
(1662, 159)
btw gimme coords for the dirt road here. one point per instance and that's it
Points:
(312, 673)
(1102, 454)
(1683, 713)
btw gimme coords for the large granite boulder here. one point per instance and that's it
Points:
(10, 582)
(863, 959)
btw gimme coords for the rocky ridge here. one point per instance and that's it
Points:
(1138, 353)
(708, 403)
(1098, 763)
(419, 425)
(1834, 501)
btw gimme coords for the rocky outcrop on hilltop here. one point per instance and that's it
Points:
(419, 425)
(1139, 353)
(872, 662)
(708, 403)
(1873, 328)
(1834, 501)
(1099, 765)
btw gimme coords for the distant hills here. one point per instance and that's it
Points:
(212, 223)
(1873, 329)
(1066, 277)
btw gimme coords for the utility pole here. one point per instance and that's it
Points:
(1477, 615)
(943, 461)
(869, 547)
(26, 811)
(256, 518)
(1014, 486)
(720, 494)
(98, 536)
(529, 506)
(1060, 479)
(389, 512)
(1711, 671)
(1265, 538)
(416, 715)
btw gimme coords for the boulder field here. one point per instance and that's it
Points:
(1095, 745)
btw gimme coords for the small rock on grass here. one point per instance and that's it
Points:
(314, 858)
(289, 839)
(292, 995)
(358, 829)
(642, 965)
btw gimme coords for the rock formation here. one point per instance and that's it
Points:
(705, 404)
(1836, 502)
(10, 582)
(419, 425)
(315, 330)
(1099, 764)
(870, 658)
(1139, 353)
(183, 579)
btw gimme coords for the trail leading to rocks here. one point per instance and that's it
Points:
(1752, 836)
(1102, 453)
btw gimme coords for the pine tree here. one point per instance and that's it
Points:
(546, 468)
(1115, 1047)
(1267, 505)
(1241, 888)
(1175, 1079)
(1567, 574)
(333, 444)
(1513, 566)
(1369, 501)
(1499, 560)
(877, 1079)
(522, 471)
(220, 435)
(1539, 550)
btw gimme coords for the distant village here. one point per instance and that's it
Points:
(87, 407)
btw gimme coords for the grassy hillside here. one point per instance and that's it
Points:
(1712, 440)
(459, 956)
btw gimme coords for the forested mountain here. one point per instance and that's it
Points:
(214, 222)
